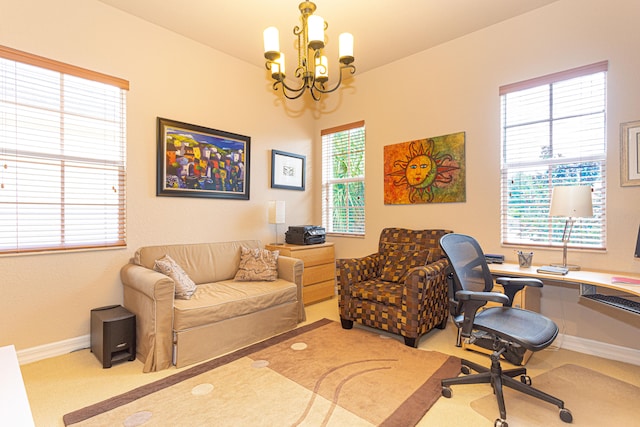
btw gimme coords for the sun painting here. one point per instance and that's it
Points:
(430, 170)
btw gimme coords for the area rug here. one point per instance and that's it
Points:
(316, 375)
(594, 399)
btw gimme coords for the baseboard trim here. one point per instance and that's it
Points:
(568, 342)
(599, 349)
(59, 348)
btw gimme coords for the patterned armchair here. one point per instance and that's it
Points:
(401, 289)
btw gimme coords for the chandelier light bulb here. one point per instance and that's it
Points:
(271, 43)
(277, 68)
(322, 69)
(345, 41)
(315, 28)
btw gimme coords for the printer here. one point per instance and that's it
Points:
(305, 235)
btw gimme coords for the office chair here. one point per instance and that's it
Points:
(470, 285)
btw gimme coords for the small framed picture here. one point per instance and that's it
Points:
(195, 161)
(630, 154)
(287, 170)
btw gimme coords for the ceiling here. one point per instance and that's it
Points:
(384, 30)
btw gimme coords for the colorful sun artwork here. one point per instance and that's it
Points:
(425, 171)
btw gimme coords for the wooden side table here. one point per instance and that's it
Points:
(319, 276)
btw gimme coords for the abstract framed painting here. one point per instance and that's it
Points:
(430, 170)
(196, 161)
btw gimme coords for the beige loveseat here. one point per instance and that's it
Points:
(221, 316)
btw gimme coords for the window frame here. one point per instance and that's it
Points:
(357, 224)
(83, 169)
(588, 233)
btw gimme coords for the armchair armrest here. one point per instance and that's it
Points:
(291, 269)
(149, 295)
(350, 271)
(354, 270)
(513, 285)
(425, 292)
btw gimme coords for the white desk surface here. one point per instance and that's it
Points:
(14, 404)
(580, 277)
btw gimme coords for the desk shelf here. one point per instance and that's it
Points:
(626, 302)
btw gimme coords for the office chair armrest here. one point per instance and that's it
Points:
(483, 297)
(513, 285)
(472, 301)
(526, 281)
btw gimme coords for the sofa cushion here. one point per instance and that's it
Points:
(257, 264)
(399, 259)
(184, 286)
(203, 262)
(213, 302)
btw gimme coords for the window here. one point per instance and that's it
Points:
(553, 133)
(62, 156)
(343, 179)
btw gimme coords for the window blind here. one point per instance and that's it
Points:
(62, 156)
(553, 133)
(343, 152)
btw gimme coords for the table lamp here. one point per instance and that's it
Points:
(276, 214)
(572, 202)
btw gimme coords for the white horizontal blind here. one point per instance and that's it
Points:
(343, 153)
(62, 156)
(553, 133)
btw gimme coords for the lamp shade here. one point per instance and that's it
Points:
(571, 201)
(276, 212)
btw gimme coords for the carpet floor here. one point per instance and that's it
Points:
(318, 375)
(594, 399)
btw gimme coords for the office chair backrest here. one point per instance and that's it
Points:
(471, 272)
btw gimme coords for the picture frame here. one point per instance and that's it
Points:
(287, 170)
(196, 161)
(630, 154)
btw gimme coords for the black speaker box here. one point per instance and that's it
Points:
(113, 334)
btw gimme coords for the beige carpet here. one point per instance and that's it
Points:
(594, 399)
(319, 375)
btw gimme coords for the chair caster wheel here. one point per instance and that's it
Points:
(465, 369)
(500, 423)
(565, 415)
(446, 392)
(525, 379)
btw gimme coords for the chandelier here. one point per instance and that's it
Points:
(313, 67)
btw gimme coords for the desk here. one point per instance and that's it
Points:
(594, 285)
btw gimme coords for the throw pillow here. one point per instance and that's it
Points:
(185, 287)
(399, 259)
(257, 265)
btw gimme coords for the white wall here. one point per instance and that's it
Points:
(454, 87)
(451, 88)
(47, 298)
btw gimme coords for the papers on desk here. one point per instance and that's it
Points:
(549, 269)
(625, 280)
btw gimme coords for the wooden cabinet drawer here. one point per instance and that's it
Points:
(315, 256)
(318, 273)
(318, 277)
(318, 292)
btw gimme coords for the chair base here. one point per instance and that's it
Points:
(498, 378)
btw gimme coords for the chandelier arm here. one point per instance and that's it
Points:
(298, 92)
(321, 89)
